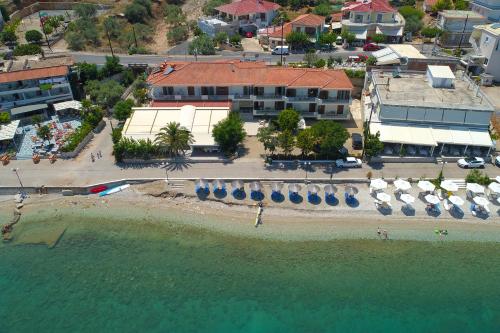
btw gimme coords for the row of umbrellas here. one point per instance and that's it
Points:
(427, 186)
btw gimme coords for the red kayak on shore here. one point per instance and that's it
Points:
(98, 189)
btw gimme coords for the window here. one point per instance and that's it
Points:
(258, 105)
(343, 94)
(279, 105)
(191, 91)
(340, 109)
(278, 91)
(291, 93)
(379, 18)
(168, 90)
(289, 105)
(321, 109)
(222, 91)
(312, 107)
(323, 94)
(258, 91)
(207, 90)
(486, 61)
(312, 92)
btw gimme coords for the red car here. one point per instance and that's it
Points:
(249, 34)
(371, 47)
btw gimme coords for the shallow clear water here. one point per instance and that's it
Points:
(175, 279)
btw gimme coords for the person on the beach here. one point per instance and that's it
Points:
(100, 154)
(379, 233)
(386, 235)
(92, 158)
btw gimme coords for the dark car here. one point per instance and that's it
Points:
(357, 141)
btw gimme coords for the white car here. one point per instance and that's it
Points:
(497, 161)
(471, 162)
(349, 162)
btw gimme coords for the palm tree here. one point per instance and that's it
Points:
(174, 139)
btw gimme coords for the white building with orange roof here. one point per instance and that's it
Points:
(254, 88)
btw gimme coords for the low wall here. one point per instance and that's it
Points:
(49, 5)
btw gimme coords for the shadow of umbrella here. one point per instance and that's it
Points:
(238, 190)
(256, 191)
(276, 194)
(201, 188)
(330, 191)
(219, 188)
(312, 194)
(350, 196)
(293, 193)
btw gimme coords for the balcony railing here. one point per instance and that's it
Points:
(268, 96)
(334, 101)
(301, 99)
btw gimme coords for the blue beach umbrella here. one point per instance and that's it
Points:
(201, 185)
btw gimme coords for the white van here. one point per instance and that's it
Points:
(281, 50)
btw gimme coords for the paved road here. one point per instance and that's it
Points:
(126, 59)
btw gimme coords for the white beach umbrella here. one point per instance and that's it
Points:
(407, 198)
(426, 186)
(481, 201)
(402, 184)
(456, 200)
(383, 197)
(378, 184)
(497, 178)
(294, 188)
(219, 184)
(475, 188)
(255, 186)
(352, 190)
(237, 184)
(330, 189)
(432, 199)
(276, 187)
(494, 187)
(448, 185)
(202, 183)
(313, 188)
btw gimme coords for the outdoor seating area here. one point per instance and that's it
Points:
(400, 197)
(31, 144)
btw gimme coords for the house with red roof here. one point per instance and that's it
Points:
(248, 15)
(310, 24)
(366, 18)
(254, 88)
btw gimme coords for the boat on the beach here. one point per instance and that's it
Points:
(98, 189)
(114, 190)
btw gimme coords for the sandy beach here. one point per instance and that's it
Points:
(157, 203)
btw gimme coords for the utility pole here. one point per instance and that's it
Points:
(463, 32)
(15, 170)
(109, 40)
(43, 30)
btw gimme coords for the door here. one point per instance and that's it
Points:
(340, 109)
(321, 109)
(312, 107)
(191, 91)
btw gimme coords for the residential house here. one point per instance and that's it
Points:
(254, 88)
(457, 25)
(429, 115)
(310, 24)
(428, 4)
(487, 8)
(29, 85)
(365, 18)
(485, 39)
(248, 15)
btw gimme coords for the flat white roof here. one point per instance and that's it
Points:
(7, 131)
(442, 72)
(406, 50)
(76, 105)
(146, 122)
(431, 136)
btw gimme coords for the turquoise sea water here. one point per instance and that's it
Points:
(176, 279)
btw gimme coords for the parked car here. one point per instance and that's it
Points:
(371, 47)
(497, 161)
(349, 162)
(278, 50)
(357, 141)
(471, 162)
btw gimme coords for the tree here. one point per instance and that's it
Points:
(54, 21)
(266, 136)
(306, 141)
(461, 5)
(44, 132)
(310, 58)
(330, 136)
(235, 39)
(85, 10)
(430, 32)
(203, 45)
(413, 24)
(146, 4)
(4, 118)
(140, 95)
(173, 15)
(33, 36)
(136, 13)
(441, 5)
(123, 109)
(112, 66)
(286, 142)
(327, 39)
(323, 9)
(373, 145)
(75, 40)
(113, 27)
(288, 120)
(47, 29)
(174, 139)
(210, 5)
(105, 93)
(177, 34)
(410, 11)
(349, 37)
(371, 61)
(86, 71)
(8, 36)
(379, 38)
(297, 39)
(229, 133)
(220, 37)
(27, 49)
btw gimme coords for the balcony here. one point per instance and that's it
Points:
(161, 97)
(301, 99)
(334, 101)
(266, 112)
(268, 97)
(333, 116)
(242, 96)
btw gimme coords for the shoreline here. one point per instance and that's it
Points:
(144, 204)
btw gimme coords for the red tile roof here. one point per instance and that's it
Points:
(159, 104)
(276, 33)
(248, 73)
(379, 6)
(305, 20)
(245, 7)
(30, 74)
(336, 17)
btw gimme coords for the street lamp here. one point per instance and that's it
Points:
(306, 167)
(166, 170)
(442, 165)
(15, 170)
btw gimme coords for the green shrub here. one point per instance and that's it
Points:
(235, 39)
(27, 49)
(4, 118)
(476, 176)
(116, 135)
(360, 74)
(33, 36)
(177, 34)
(320, 63)
(76, 137)
(203, 45)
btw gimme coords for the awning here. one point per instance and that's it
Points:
(386, 56)
(390, 31)
(75, 105)
(360, 33)
(8, 131)
(27, 108)
(336, 25)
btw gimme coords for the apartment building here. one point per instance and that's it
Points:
(433, 114)
(366, 18)
(28, 85)
(255, 88)
(485, 39)
(487, 8)
(457, 26)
